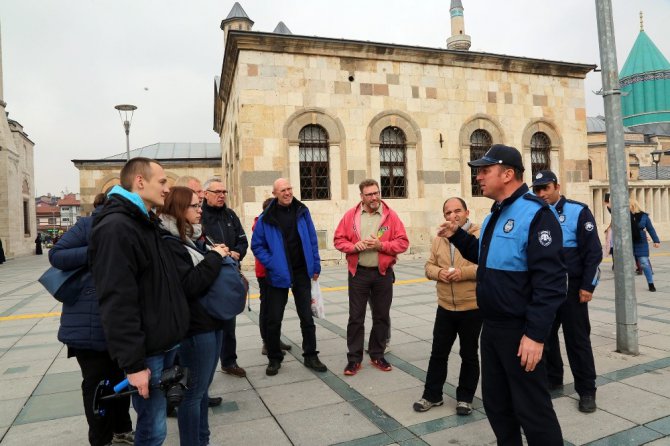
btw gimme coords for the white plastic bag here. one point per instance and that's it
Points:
(317, 301)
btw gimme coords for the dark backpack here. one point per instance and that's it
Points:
(227, 296)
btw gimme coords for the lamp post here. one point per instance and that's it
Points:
(656, 158)
(126, 114)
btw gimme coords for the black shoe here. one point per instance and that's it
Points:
(216, 401)
(587, 403)
(312, 362)
(273, 368)
(285, 347)
(652, 288)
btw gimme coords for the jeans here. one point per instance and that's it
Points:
(199, 354)
(448, 324)
(229, 344)
(646, 269)
(151, 428)
(276, 303)
(95, 367)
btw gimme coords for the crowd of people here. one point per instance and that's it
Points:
(155, 251)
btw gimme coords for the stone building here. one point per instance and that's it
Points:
(17, 185)
(201, 160)
(327, 113)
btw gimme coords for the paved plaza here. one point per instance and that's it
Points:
(40, 400)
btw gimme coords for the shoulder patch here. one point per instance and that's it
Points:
(589, 226)
(544, 237)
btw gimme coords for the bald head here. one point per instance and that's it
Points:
(283, 191)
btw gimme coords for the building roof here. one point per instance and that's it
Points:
(456, 4)
(69, 200)
(237, 12)
(170, 151)
(644, 57)
(649, 172)
(596, 124)
(281, 28)
(44, 209)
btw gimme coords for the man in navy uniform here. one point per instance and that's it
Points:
(521, 282)
(583, 253)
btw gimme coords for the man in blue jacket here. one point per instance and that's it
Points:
(521, 282)
(583, 253)
(284, 241)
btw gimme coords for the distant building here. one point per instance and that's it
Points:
(201, 160)
(17, 185)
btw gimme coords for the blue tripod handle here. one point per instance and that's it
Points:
(120, 386)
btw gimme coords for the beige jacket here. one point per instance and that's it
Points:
(453, 296)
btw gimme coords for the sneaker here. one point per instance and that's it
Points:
(463, 408)
(352, 368)
(587, 403)
(124, 438)
(652, 288)
(234, 370)
(423, 405)
(273, 368)
(382, 364)
(312, 362)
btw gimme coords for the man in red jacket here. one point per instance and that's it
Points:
(372, 236)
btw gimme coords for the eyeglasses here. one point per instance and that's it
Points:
(371, 194)
(195, 206)
(218, 192)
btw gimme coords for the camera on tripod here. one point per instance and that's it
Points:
(173, 382)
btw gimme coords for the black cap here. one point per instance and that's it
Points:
(500, 154)
(544, 177)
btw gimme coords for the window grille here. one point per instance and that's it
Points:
(540, 147)
(313, 156)
(480, 142)
(392, 163)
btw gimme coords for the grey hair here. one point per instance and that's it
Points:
(210, 181)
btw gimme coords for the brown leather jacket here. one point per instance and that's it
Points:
(453, 296)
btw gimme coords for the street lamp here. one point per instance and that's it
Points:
(126, 115)
(656, 158)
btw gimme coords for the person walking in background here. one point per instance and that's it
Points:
(457, 315)
(285, 243)
(640, 244)
(81, 331)
(38, 244)
(583, 253)
(198, 267)
(222, 226)
(371, 235)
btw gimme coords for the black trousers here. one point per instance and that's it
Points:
(95, 367)
(574, 316)
(262, 314)
(229, 344)
(276, 303)
(369, 285)
(448, 324)
(514, 398)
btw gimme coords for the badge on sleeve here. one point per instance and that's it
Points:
(544, 238)
(588, 226)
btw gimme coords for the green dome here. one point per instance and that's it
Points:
(645, 84)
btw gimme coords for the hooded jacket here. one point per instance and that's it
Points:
(142, 303)
(453, 296)
(223, 226)
(269, 246)
(80, 326)
(391, 233)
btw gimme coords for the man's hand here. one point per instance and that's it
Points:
(373, 242)
(360, 246)
(223, 252)
(443, 275)
(447, 229)
(585, 296)
(454, 275)
(657, 245)
(315, 277)
(235, 255)
(140, 380)
(530, 353)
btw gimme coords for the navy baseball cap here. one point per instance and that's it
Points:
(499, 154)
(544, 177)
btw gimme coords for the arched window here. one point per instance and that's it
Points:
(313, 156)
(480, 142)
(393, 163)
(540, 146)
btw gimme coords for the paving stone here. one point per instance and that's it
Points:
(298, 396)
(618, 399)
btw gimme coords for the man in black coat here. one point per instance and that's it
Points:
(221, 225)
(143, 308)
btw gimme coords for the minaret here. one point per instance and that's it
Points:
(237, 20)
(458, 40)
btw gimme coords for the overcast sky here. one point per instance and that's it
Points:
(67, 63)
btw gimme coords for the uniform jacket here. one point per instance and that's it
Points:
(641, 248)
(269, 247)
(80, 325)
(453, 296)
(223, 226)
(521, 278)
(142, 303)
(391, 233)
(581, 245)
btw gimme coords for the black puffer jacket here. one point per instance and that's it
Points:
(223, 226)
(142, 304)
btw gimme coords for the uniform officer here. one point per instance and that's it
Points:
(521, 282)
(583, 253)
